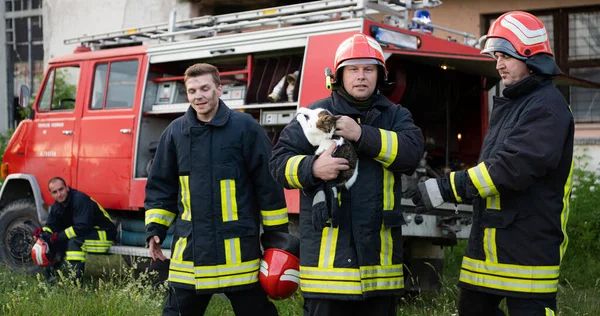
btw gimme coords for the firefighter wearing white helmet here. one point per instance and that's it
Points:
(520, 189)
(351, 248)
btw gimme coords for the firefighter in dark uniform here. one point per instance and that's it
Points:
(210, 178)
(521, 187)
(351, 264)
(76, 225)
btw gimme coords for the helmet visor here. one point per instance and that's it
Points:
(496, 44)
(360, 61)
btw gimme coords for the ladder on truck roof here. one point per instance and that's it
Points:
(210, 25)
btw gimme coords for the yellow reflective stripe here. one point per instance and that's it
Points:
(489, 245)
(182, 266)
(456, 196)
(291, 171)
(389, 198)
(511, 270)
(379, 284)
(483, 182)
(342, 274)
(329, 238)
(102, 235)
(330, 286)
(493, 202)
(564, 214)
(70, 232)
(229, 208)
(387, 243)
(233, 252)
(182, 277)
(180, 246)
(274, 217)
(184, 184)
(389, 147)
(47, 229)
(159, 216)
(509, 284)
(226, 281)
(394, 270)
(549, 312)
(75, 256)
(104, 212)
(227, 269)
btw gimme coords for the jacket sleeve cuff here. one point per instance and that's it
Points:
(369, 141)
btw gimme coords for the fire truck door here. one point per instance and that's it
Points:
(51, 148)
(107, 132)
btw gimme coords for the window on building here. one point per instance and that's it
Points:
(577, 54)
(114, 85)
(60, 89)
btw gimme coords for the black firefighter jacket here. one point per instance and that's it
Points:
(363, 256)
(79, 216)
(520, 191)
(212, 180)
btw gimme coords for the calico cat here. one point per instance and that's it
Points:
(318, 126)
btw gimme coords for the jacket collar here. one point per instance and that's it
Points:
(221, 117)
(525, 86)
(342, 107)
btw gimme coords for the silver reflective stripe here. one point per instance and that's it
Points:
(182, 278)
(484, 184)
(433, 191)
(490, 232)
(379, 271)
(274, 217)
(333, 286)
(488, 281)
(228, 198)
(369, 285)
(514, 272)
(329, 273)
(186, 266)
(213, 271)
(165, 218)
(232, 251)
(389, 144)
(327, 250)
(319, 197)
(223, 282)
(385, 247)
(494, 202)
(388, 190)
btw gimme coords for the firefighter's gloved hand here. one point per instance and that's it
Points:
(320, 212)
(432, 194)
(417, 199)
(37, 232)
(49, 237)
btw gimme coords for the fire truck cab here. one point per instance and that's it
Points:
(99, 113)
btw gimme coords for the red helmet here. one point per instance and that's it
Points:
(359, 49)
(279, 273)
(41, 254)
(518, 34)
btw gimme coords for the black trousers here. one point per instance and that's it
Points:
(248, 302)
(379, 306)
(475, 303)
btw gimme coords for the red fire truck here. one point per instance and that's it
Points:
(100, 110)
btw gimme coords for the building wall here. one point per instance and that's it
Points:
(93, 17)
(465, 15)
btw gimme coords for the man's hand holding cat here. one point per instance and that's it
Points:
(327, 167)
(346, 127)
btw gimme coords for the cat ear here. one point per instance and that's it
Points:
(337, 117)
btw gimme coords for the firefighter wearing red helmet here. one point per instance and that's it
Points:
(520, 190)
(351, 258)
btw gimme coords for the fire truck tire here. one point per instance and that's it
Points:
(18, 220)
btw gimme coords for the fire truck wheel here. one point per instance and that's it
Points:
(18, 220)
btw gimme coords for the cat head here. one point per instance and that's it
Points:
(326, 122)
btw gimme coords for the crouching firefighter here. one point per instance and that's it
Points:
(520, 189)
(76, 225)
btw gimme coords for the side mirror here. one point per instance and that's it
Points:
(24, 94)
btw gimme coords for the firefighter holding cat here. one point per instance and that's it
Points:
(352, 263)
